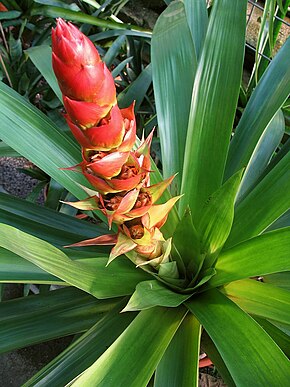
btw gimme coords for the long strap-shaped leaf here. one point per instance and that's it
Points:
(249, 353)
(133, 357)
(266, 203)
(84, 351)
(213, 106)
(265, 254)
(267, 98)
(118, 279)
(174, 65)
(179, 365)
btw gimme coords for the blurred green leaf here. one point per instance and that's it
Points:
(267, 98)
(213, 105)
(248, 352)
(9, 15)
(179, 364)
(174, 65)
(146, 339)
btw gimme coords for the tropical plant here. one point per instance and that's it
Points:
(224, 285)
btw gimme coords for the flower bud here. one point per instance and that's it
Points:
(77, 65)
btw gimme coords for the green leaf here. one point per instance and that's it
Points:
(260, 299)
(8, 15)
(264, 204)
(114, 50)
(264, 150)
(120, 278)
(58, 3)
(40, 141)
(265, 254)
(186, 241)
(197, 18)
(179, 364)
(209, 347)
(136, 90)
(7, 151)
(34, 319)
(217, 216)
(41, 58)
(174, 65)
(15, 269)
(146, 340)
(248, 352)
(84, 351)
(282, 280)
(68, 14)
(282, 221)
(153, 293)
(277, 335)
(50, 225)
(213, 105)
(267, 98)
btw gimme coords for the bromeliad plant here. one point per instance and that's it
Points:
(211, 283)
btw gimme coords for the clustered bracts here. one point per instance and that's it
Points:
(119, 174)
